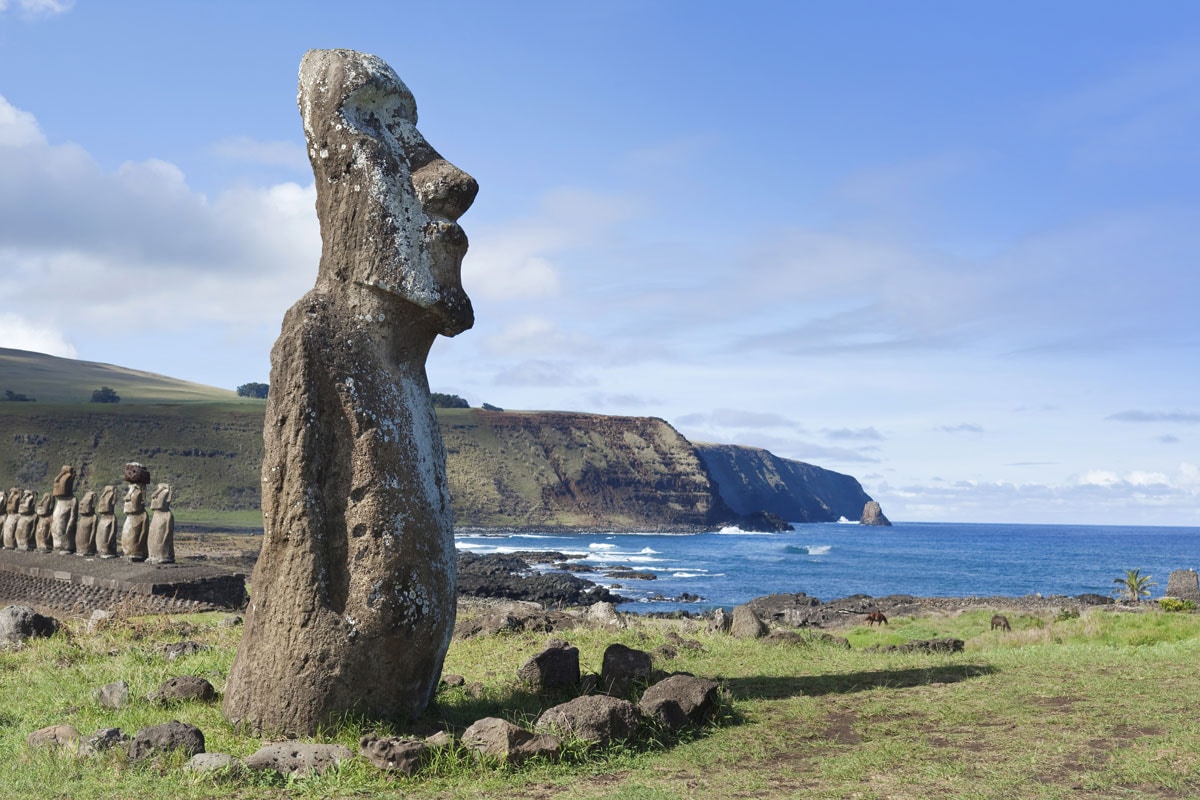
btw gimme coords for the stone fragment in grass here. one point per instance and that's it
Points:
(680, 700)
(113, 695)
(605, 615)
(297, 758)
(556, 667)
(720, 621)
(498, 738)
(106, 739)
(182, 688)
(215, 764)
(65, 737)
(623, 667)
(173, 735)
(453, 680)
(177, 650)
(393, 753)
(747, 624)
(597, 718)
(439, 740)
(18, 623)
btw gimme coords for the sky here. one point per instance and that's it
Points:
(947, 248)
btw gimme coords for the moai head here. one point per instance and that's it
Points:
(87, 504)
(108, 500)
(135, 499)
(161, 499)
(45, 506)
(28, 501)
(64, 483)
(387, 201)
(14, 500)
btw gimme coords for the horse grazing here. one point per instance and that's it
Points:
(1001, 621)
(876, 617)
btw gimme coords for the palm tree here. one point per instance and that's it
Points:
(1134, 585)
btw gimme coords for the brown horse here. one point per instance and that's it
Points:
(876, 617)
(1001, 621)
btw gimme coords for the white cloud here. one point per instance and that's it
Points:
(1099, 477)
(273, 154)
(39, 8)
(17, 128)
(18, 333)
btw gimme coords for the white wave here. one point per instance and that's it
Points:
(601, 546)
(688, 575)
(471, 546)
(531, 536)
(844, 521)
(649, 550)
(819, 549)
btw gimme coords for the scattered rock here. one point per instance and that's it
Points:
(99, 620)
(452, 680)
(623, 667)
(606, 615)
(597, 718)
(64, 737)
(764, 522)
(510, 576)
(113, 695)
(18, 623)
(686, 644)
(498, 738)
(719, 621)
(680, 700)
(173, 735)
(393, 753)
(297, 758)
(747, 624)
(231, 621)
(944, 645)
(172, 652)
(439, 740)
(556, 667)
(182, 688)
(106, 739)
(215, 764)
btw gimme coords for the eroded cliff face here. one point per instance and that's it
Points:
(752, 479)
(565, 470)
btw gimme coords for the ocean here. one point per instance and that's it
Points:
(833, 560)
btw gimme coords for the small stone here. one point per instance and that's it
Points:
(173, 735)
(556, 667)
(180, 649)
(231, 621)
(680, 700)
(113, 695)
(606, 615)
(215, 763)
(183, 688)
(297, 758)
(453, 680)
(393, 753)
(596, 718)
(99, 620)
(498, 738)
(747, 624)
(439, 740)
(18, 623)
(65, 737)
(623, 667)
(106, 739)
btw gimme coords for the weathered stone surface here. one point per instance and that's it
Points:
(1184, 584)
(26, 531)
(160, 542)
(65, 516)
(106, 739)
(873, 514)
(605, 615)
(498, 738)
(12, 504)
(297, 758)
(719, 622)
(43, 532)
(137, 473)
(106, 523)
(61, 736)
(215, 764)
(680, 700)
(18, 623)
(354, 590)
(177, 650)
(394, 753)
(113, 695)
(183, 688)
(747, 624)
(85, 527)
(556, 667)
(594, 718)
(791, 610)
(623, 667)
(173, 735)
(943, 645)
(135, 528)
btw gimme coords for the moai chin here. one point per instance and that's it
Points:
(354, 590)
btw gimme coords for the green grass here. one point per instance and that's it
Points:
(1096, 707)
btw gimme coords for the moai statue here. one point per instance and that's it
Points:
(11, 505)
(66, 511)
(133, 532)
(27, 521)
(106, 523)
(85, 530)
(3, 514)
(354, 590)
(45, 511)
(162, 526)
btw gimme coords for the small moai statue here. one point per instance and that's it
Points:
(162, 526)
(133, 532)
(85, 530)
(66, 511)
(11, 505)
(27, 521)
(106, 523)
(45, 511)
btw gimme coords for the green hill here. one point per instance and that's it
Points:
(506, 469)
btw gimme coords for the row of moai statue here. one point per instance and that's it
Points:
(87, 526)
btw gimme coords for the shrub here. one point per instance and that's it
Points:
(256, 390)
(1174, 604)
(441, 400)
(105, 395)
(1067, 614)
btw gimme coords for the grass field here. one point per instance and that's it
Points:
(1099, 706)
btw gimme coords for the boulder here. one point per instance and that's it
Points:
(747, 624)
(605, 615)
(556, 667)
(393, 753)
(215, 764)
(113, 695)
(64, 737)
(623, 667)
(183, 688)
(788, 610)
(354, 589)
(297, 758)
(596, 718)
(873, 515)
(680, 700)
(498, 738)
(719, 621)
(173, 735)
(18, 623)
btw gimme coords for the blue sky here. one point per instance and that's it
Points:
(949, 249)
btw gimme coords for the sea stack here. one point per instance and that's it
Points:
(873, 515)
(354, 591)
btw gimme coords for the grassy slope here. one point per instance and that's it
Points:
(1096, 707)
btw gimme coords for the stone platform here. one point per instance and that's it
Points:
(82, 584)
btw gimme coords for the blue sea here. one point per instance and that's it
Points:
(835, 560)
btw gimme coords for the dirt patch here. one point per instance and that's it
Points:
(840, 728)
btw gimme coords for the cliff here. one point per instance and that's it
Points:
(750, 479)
